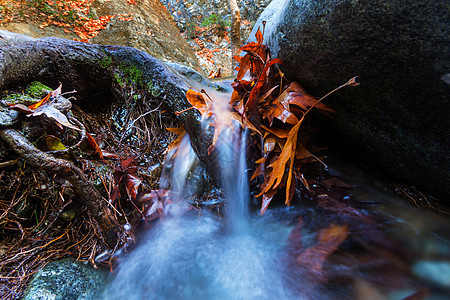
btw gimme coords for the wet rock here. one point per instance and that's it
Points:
(7, 116)
(151, 30)
(64, 280)
(397, 119)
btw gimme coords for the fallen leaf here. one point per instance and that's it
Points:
(52, 113)
(54, 143)
(43, 101)
(94, 146)
(329, 240)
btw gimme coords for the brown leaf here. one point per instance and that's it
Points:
(269, 144)
(279, 166)
(296, 95)
(281, 113)
(199, 102)
(53, 113)
(266, 199)
(302, 153)
(329, 240)
(259, 36)
(94, 146)
(279, 132)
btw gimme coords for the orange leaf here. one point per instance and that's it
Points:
(198, 101)
(180, 132)
(279, 166)
(281, 133)
(94, 146)
(266, 199)
(43, 101)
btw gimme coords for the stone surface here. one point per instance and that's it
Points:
(397, 119)
(146, 26)
(66, 279)
(152, 30)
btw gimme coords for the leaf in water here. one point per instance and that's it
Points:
(331, 204)
(329, 240)
(180, 131)
(54, 143)
(266, 199)
(295, 238)
(94, 146)
(202, 104)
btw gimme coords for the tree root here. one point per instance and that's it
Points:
(89, 196)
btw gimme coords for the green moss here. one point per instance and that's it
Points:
(37, 90)
(20, 99)
(106, 62)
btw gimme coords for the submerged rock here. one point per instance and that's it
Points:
(397, 118)
(65, 280)
(436, 272)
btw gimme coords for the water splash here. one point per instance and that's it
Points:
(206, 258)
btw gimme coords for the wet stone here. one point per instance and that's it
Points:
(65, 280)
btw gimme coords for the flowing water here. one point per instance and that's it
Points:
(247, 256)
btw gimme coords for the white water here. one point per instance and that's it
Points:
(201, 256)
(204, 257)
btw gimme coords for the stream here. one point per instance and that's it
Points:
(393, 250)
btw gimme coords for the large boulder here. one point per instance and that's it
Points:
(398, 118)
(146, 26)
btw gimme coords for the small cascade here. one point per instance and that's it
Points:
(234, 180)
(206, 258)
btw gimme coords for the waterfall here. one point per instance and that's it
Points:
(206, 258)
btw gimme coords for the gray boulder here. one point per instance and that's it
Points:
(66, 279)
(398, 118)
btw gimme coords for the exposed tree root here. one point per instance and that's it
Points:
(90, 197)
